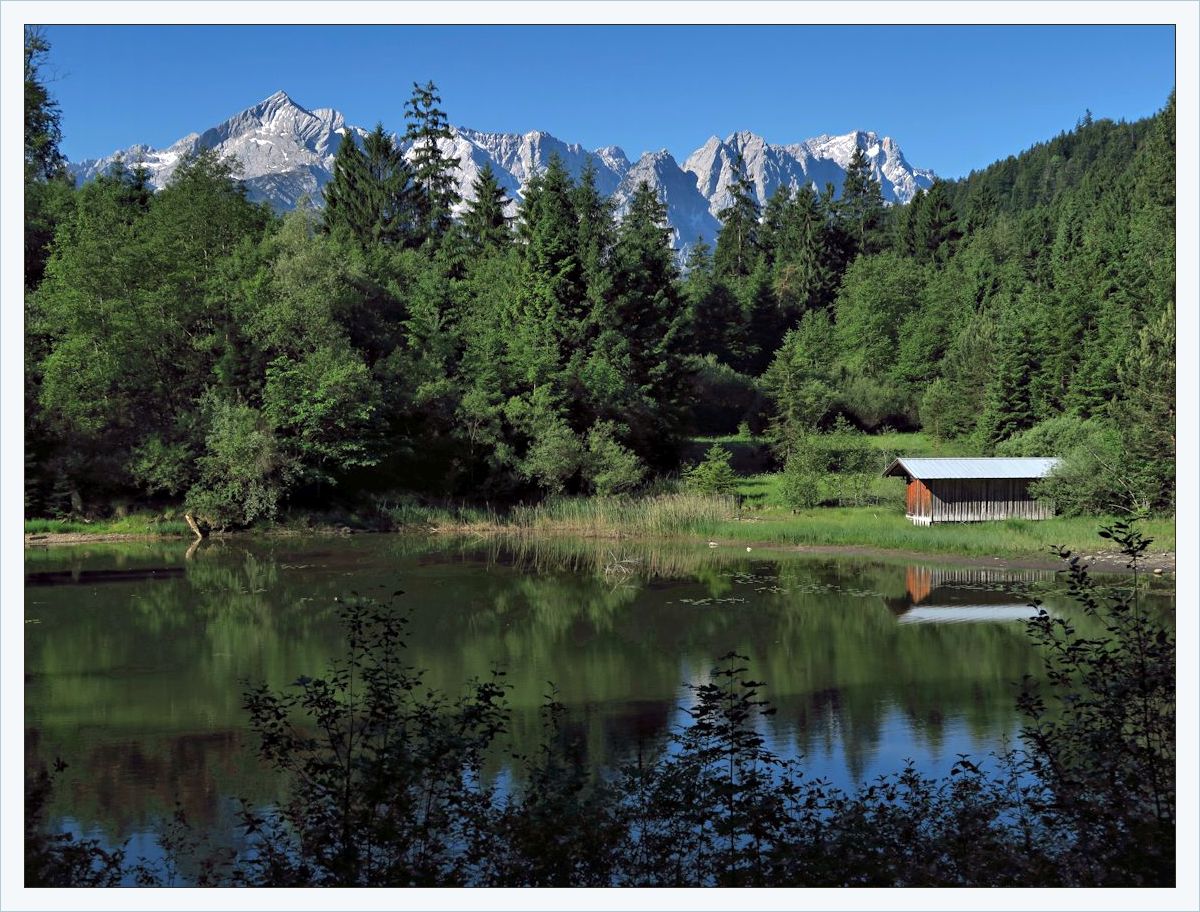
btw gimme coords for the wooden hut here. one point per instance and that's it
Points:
(972, 490)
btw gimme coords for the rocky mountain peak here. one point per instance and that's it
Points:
(286, 155)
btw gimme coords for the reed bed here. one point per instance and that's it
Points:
(663, 514)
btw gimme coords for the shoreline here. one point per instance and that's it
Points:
(1100, 559)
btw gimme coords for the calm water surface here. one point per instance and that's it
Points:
(136, 655)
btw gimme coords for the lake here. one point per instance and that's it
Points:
(137, 654)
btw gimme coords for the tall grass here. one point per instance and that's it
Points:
(137, 524)
(885, 528)
(759, 516)
(663, 514)
(411, 513)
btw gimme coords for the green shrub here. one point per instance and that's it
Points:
(243, 475)
(609, 466)
(804, 473)
(712, 476)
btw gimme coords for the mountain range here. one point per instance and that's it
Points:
(286, 156)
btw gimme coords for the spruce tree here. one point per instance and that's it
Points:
(716, 321)
(484, 223)
(651, 314)
(346, 194)
(860, 207)
(1009, 407)
(433, 172)
(552, 305)
(1144, 411)
(738, 247)
(935, 232)
(904, 225)
(763, 320)
(800, 275)
(777, 230)
(596, 234)
(370, 195)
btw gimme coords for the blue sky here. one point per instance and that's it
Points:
(955, 98)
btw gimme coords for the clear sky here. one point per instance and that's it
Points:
(955, 98)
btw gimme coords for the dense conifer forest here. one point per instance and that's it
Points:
(190, 347)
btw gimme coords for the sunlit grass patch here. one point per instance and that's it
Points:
(134, 524)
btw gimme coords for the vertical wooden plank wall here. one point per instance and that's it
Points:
(978, 500)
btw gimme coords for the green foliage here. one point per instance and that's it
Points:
(877, 294)
(1104, 748)
(804, 475)
(712, 476)
(1145, 412)
(243, 474)
(800, 381)
(952, 403)
(48, 187)
(43, 119)
(935, 228)
(738, 247)
(384, 776)
(162, 467)
(610, 467)
(384, 350)
(721, 398)
(321, 408)
(859, 210)
(1010, 405)
(484, 223)
(1092, 477)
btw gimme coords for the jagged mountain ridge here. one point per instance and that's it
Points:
(286, 154)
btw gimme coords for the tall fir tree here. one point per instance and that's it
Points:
(651, 313)
(801, 276)
(904, 225)
(596, 235)
(716, 321)
(935, 233)
(553, 303)
(433, 171)
(1010, 407)
(370, 195)
(485, 225)
(860, 207)
(738, 247)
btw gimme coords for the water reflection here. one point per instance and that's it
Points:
(966, 595)
(136, 679)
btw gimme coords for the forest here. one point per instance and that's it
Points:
(188, 347)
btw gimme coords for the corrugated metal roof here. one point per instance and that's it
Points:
(980, 467)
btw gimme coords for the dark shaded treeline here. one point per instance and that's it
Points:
(190, 346)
